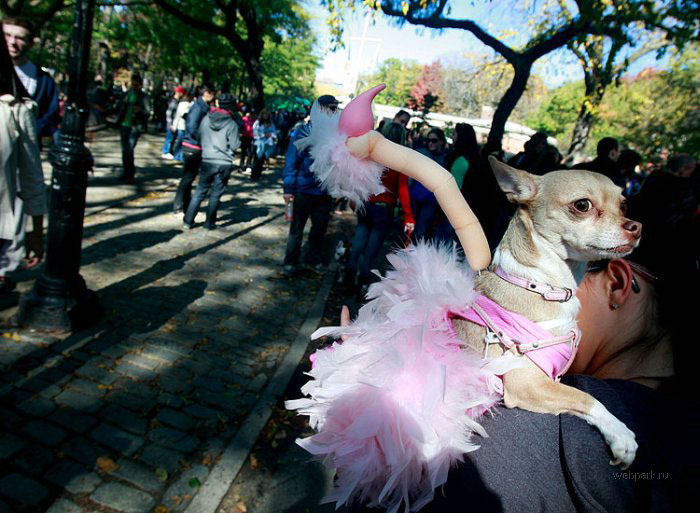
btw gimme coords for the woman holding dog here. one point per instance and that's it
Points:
(635, 357)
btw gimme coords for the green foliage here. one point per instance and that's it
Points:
(558, 112)
(653, 112)
(399, 77)
(166, 47)
(290, 62)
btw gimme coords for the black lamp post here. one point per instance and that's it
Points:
(60, 300)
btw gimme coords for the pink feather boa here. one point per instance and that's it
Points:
(342, 174)
(395, 405)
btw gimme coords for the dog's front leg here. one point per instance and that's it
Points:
(528, 388)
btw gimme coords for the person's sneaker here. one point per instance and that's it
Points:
(289, 269)
(167, 156)
(187, 225)
(210, 226)
(248, 170)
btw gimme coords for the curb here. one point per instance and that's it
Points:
(223, 474)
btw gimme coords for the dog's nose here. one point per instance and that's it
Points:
(633, 227)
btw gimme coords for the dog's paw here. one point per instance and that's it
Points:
(622, 443)
(619, 438)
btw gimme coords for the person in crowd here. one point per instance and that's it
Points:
(416, 139)
(170, 125)
(309, 200)
(247, 139)
(265, 141)
(402, 118)
(529, 159)
(423, 202)
(464, 154)
(628, 162)
(179, 125)
(681, 165)
(607, 151)
(21, 177)
(550, 160)
(98, 101)
(219, 138)
(132, 118)
(191, 149)
(375, 219)
(19, 37)
(636, 357)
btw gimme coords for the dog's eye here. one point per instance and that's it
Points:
(583, 205)
(623, 207)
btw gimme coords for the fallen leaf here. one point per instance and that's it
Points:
(105, 387)
(162, 474)
(106, 464)
(194, 483)
(161, 509)
(241, 506)
(207, 459)
(253, 462)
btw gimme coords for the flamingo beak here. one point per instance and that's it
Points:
(356, 118)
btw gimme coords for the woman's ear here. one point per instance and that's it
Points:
(619, 286)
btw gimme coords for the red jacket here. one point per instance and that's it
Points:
(396, 185)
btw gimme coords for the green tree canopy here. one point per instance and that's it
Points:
(654, 113)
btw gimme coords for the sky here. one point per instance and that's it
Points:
(384, 40)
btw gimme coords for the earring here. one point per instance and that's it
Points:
(614, 306)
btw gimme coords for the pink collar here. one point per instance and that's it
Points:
(551, 354)
(548, 292)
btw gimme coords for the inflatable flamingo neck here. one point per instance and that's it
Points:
(356, 118)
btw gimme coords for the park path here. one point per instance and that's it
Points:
(155, 406)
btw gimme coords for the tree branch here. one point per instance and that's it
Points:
(190, 20)
(436, 21)
(556, 40)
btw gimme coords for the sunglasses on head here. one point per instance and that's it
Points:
(639, 269)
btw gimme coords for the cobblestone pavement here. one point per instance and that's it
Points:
(133, 414)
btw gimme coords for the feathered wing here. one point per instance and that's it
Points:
(395, 405)
(342, 174)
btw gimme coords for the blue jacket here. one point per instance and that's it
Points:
(195, 116)
(297, 176)
(46, 97)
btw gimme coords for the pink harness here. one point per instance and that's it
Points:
(553, 355)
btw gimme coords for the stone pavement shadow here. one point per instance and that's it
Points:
(125, 243)
(62, 452)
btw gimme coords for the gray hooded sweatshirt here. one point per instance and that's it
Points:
(219, 137)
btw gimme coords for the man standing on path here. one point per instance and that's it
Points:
(191, 149)
(19, 37)
(132, 119)
(308, 199)
(219, 136)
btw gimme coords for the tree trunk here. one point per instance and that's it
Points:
(507, 104)
(254, 68)
(586, 116)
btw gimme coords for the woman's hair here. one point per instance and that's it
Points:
(465, 145)
(264, 116)
(668, 251)
(9, 82)
(439, 133)
(395, 132)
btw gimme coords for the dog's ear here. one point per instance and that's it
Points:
(519, 186)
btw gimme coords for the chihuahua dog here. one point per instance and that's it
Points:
(564, 220)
